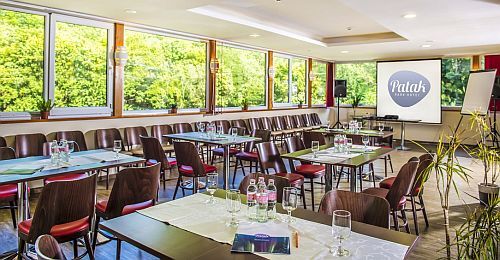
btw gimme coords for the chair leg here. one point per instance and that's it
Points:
(338, 178)
(372, 172)
(96, 231)
(13, 213)
(390, 162)
(235, 169)
(312, 193)
(118, 248)
(303, 192)
(395, 220)
(88, 246)
(414, 211)
(177, 186)
(20, 249)
(422, 206)
(405, 219)
(195, 185)
(385, 166)
(75, 248)
(360, 179)
(164, 179)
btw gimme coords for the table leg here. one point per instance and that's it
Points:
(352, 181)
(328, 177)
(402, 147)
(226, 167)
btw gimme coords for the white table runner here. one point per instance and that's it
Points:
(330, 156)
(194, 215)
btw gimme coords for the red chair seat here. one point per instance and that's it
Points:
(65, 177)
(310, 171)
(103, 204)
(293, 178)
(220, 151)
(380, 192)
(247, 156)
(60, 230)
(188, 171)
(387, 183)
(8, 191)
(171, 162)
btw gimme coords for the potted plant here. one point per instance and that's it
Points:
(356, 100)
(301, 103)
(244, 104)
(490, 158)
(44, 106)
(173, 108)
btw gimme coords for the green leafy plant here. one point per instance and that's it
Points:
(488, 155)
(301, 103)
(45, 105)
(244, 104)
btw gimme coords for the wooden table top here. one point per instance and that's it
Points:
(169, 242)
(16, 178)
(223, 139)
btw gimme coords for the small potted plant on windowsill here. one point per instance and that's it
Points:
(301, 103)
(44, 107)
(244, 104)
(173, 108)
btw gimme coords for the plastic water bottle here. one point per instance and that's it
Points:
(262, 198)
(54, 153)
(64, 151)
(271, 201)
(252, 200)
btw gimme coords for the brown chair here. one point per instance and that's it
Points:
(196, 128)
(8, 192)
(416, 191)
(396, 194)
(292, 124)
(64, 177)
(315, 119)
(189, 165)
(248, 154)
(105, 139)
(3, 143)
(64, 211)
(134, 189)
(180, 128)
(29, 145)
(281, 125)
(75, 136)
(310, 136)
(308, 170)
(133, 140)
(279, 182)
(255, 123)
(47, 247)
(387, 143)
(363, 207)
(240, 123)
(219, 151)
(158, 131)
(226, 125)
(301, 124)
(154, 153)
(268, 124)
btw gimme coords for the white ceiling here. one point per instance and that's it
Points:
(452, 27)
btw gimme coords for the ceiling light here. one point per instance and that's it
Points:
(426, 46)
(344, 52)
(130, 11)
(254, 35)
(348, 28)
(409, 16)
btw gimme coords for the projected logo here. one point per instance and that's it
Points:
(407, 88)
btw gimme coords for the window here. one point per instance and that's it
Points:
(241, 77)
(21, 60)
(289, 80)
(318, 87)
(162, 71)
(81, 65)
(455, 73)
(361, 82)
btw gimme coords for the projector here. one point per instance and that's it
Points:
(393, 117)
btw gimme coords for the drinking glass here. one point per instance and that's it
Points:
(366, 140)
(71, 148)
(289, 203)
(315, 148)
(212, 182)
(381, 127)
(341, 230)
(234, 132)
(202, 127)
(220, 131)
(117, 147)
(345, 125)
(348, 145)
(233, 205)
(360, 126)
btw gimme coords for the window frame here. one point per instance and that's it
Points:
(326, 81)
(290, 104)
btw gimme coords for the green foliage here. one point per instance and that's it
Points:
(454, 73)
(361, 82)
(45, 106)
(489, 156)
(296, 90)
(318, 87)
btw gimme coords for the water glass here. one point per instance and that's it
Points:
(117, 148)
(212, 183)
(381, 127)
(233, 205)
(345, 125)
(360, 125)
(220, 130)
(202, 127)
(366, 140)
(341, 230)
(348, 144)
(289, 202)
(315, 147)
(71, 148)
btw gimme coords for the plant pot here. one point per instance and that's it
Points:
(244, 108)
(488, 192)
(44, 114)
(300, 106)
(173, 111)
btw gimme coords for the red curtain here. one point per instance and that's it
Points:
(329, 84)
(493, 62)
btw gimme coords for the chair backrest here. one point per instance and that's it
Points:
(267, 123)
(240, 123)
(363, 207)
(132, 186)
(279, 182)
(157, 131)
(239, 130)
(290, 121)
(205, 123)
(300, 122)
(284, 122)
(29, 145)
(270, 158)
(315, 118)
(424, 161)
(402, 185)
(278, 123)
(264, 135)
(75, 136)
(46, 149)
(225, 125)
(152, 150)
(293, 144)
(3, 143)
(307, 119)
(255, 123)
(47, 248)
(186, 154)
(180, 128)
(310, 136)
(63, 202)
(105, 138)
(7, 153)
(132, 135)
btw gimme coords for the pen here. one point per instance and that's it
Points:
(296, 235)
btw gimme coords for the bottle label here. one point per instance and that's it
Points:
(262, 199)
(272, 195)
(251, 196)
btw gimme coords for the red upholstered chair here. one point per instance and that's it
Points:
(308, 170)
(64, 211)
(279, 182)
(219, 151)
(8, 192)
(29, 145)
(134, 189)
(104, 139)
(309, 136)
(189, 165)
(248, 154)
(133, 140)
(401, 186)
(158, 131)
(75, 136)
(154, 153)
(64, 177)
(416, 191)
(385, 142)
(363, 207)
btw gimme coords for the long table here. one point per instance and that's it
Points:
(169, 242)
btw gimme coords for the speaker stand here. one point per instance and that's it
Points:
(338, 124)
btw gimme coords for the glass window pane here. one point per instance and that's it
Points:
(298, 87)
(455, 73)
(318, 87)
(21, 61)
(80, 65)
(162, 71)
(281, 80)
(361, 82)
(242, 75)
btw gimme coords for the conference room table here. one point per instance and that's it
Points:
(167, 241)
(223, 140)
(80, 162)
(354, 164)
(373, 134)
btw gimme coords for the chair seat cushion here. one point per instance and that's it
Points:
(61, 230)
(65, 177)
(293, 178)
(310, 170)
(8, 191)
(248, 156)
(188, 170)
(387, 183)
(380, 192)
(103, 204)
(220, 151)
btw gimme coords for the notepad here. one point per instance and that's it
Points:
(270, 238)
(22, 170)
